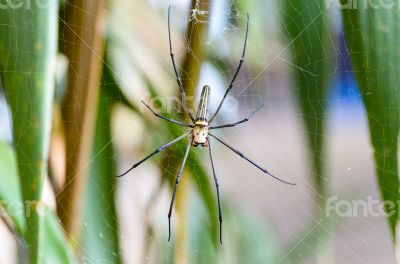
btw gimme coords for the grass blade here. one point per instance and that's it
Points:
(373, 42)
(53, 247)
(100, 229)
(10, 189)
(28, 45)
(306, 31)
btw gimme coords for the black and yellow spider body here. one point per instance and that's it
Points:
(200, 131)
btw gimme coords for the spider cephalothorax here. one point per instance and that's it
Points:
(200, 131)
(200, 135)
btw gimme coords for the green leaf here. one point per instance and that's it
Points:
(53, 248)
(200, 237)
(306, 31)
(28, 44)
(10, 192)
(100, 228)
(247, 239)
(207, 192)
(373, 42)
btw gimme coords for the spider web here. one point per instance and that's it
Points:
(275, 137)
(261, 81)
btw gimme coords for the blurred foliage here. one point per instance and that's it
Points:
(136, 68)
(373, 43)
(99, 233)
(246, 239)
(52, 247)
(28, 47)
(312, 51)
(309, 39)
(82, 41)
(10, 190)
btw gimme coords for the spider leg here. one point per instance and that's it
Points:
(166, 118)
(239, 122)
(178, 177)
(236, 73)
(178, 79)
(155, 152)
(252, 162)
(216, 180)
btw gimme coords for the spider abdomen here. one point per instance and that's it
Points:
(200, 129)
(202, 110)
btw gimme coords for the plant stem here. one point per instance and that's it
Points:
(83, 43)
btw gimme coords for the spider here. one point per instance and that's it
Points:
(200, 130)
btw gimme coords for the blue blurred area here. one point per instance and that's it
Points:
(343, 87)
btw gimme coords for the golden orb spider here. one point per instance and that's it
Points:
(199, 132)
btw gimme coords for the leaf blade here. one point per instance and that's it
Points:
(28, 47)
(306, 33)
(53, 247)
(372, 41)
(10, 191)
(100, 231)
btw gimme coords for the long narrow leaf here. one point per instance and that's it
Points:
(10, 190)
(53, 247)
(100, 228)
(306, 30)
(373, 42)
(28, 42)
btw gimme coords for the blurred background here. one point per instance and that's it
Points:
(312, 131)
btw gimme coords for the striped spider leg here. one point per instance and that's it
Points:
(199, 133)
